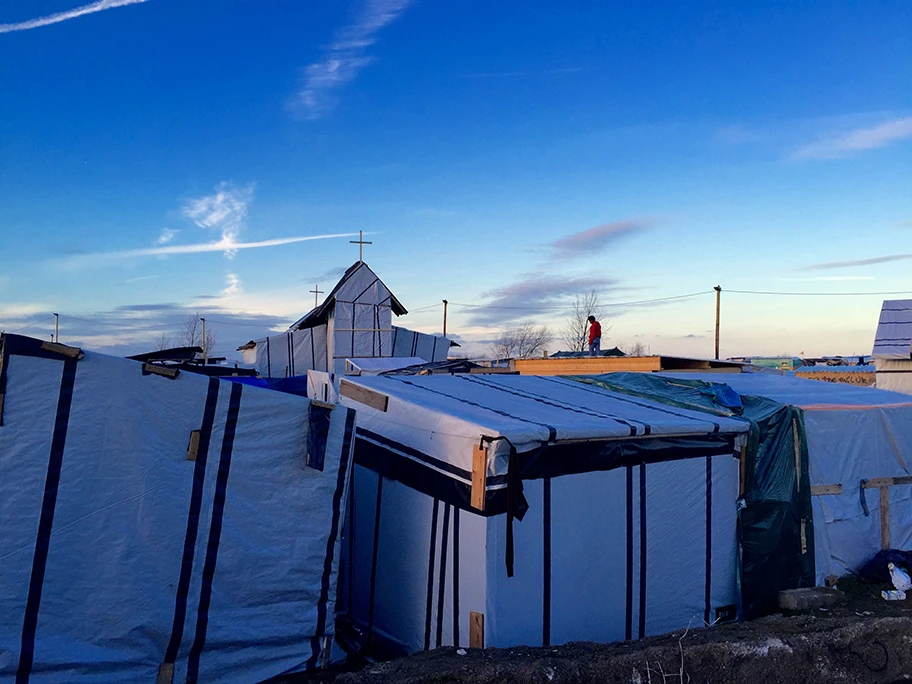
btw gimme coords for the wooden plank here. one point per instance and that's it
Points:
(62, 349)
(804, 542)
(322, 404)
(587, 366)
(479, 476)
(884, 517)
(363, 395)
(476, 630)
(826, 490)
(164, 371)
(876, 482)
(165, 673)
(193, 447)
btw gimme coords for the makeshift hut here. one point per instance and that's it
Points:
(353, 322)
(859, 442)
(159, 525)
(504, 510)
(893, 346)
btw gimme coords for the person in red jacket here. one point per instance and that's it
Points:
(595, 337)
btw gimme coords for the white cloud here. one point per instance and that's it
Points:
(857, 140)
(49, 19)
(220, 246)
(224, 211)
(825, 279)
(166, 236)
(346, 57)
(232, 285)
(594, 240)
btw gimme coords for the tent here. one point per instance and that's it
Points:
(854, 434)
(502, 510)
(160, 525)
(893, 346)
(354, 321)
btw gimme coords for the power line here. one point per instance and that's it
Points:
(32, 325)
(819, 294)
(425, 308)
(569, 307)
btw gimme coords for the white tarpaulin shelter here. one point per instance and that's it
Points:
(354, 321)
(893, 346)
(853, 434)
(630, 528)
(160, 525)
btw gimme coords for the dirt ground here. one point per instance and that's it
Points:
(862, 639)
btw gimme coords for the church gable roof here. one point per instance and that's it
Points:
(357, 280)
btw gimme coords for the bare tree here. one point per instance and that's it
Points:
(191, 335)
(163, 342)
(522, 342)
(635, 349)
(575, 332)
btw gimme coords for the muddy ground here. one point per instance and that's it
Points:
(863, 639)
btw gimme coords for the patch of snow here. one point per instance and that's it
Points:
(763, 649)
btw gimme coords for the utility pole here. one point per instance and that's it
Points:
(56, 327)
(316, 293)
(445, 302)
(718, 289)
(203, 345)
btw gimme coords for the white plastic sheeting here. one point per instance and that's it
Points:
(893, 375)
(355, 321)
(893, 347)
(119, 555)
(894, 330)
(444, 416)
(292, 353)
(375, 366)
(853, 433)
(610, 553)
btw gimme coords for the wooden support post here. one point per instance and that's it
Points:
(479, 476)
(476, 630)
(884, 484)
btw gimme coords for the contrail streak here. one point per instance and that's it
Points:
(91, 8)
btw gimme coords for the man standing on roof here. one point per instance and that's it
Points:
(595, 337)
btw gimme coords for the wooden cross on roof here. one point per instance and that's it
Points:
(360, 242)
(316, 293)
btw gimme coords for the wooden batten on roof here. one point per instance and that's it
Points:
(638, 364)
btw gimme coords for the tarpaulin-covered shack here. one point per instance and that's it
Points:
(628, 512)
(162, 526)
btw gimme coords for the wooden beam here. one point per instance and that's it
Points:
(165, 673)
(193, 447)
(877, 482)
(479, 476)
(826, 490)
(884, 517)
(363, 395)
(164, 371)
(63, 350)
(476, 630)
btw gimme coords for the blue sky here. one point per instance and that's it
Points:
(159, 158)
